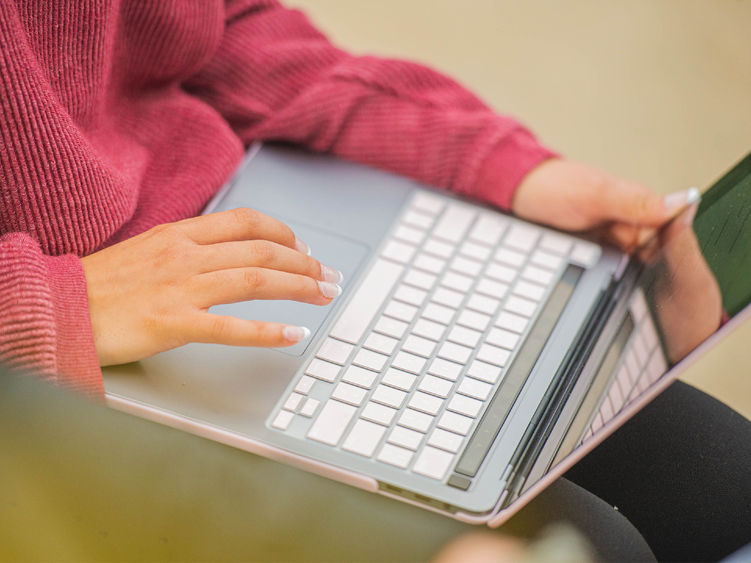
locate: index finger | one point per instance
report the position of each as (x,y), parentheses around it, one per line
(241,223)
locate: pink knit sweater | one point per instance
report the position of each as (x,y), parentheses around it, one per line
(116,116)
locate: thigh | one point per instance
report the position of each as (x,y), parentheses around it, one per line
(680,471)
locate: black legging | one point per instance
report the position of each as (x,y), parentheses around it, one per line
(679,471)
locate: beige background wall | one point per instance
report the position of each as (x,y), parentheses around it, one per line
(658,91)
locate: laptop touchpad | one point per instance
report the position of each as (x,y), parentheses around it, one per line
(332,249)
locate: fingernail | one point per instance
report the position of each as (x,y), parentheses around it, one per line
(295,333)
(302,247)
(329,289)
(688,217)
(331,275)
(678,200)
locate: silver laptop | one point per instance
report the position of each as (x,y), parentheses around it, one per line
(472,357)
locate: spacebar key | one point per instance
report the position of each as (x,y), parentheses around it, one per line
(367,301)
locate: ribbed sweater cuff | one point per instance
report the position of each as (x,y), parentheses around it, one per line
(77,362)
(509,161)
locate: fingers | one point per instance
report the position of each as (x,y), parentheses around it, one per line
(242,284)
(241,223)
(635,204)
(264,254)
(219,329)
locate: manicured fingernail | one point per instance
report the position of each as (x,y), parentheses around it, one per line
(329,289)
(295,333)
(678,200)
(330,274)
(302,247)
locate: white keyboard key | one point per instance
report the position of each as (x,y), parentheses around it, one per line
(585,254)
(474,388)
(454,222)
(367,300)
(457,423)
(409,362)
(400,311)
(282,420)
(427,202)
(639,348)
(405,437)
(425,403)
(388,396)
(520,306)
(510,256)
(429,329)
(331,422)
(465,266)
(418,345)
(445,440)
(473,250)
(359,376)
(418,219)
(503,338)
(380,343)
(488,229)
(409,234)
(304,385)
(616,397)
(447,297)
(438,313)
(486,372)
(434,386)
(369,359)
(538,275)
(309,408)
(491,288)
(465,405)
(522,236)
(411,295)
(398,251)
(528,290)
(500,272)
(483,304)
(433,463)
(391,327)
(399,379)
(638,306)
(546,259)
(335,351)
(378,413)
(511,322)
(293,401)
(657,366)
(454,352)
(416,420)
(394,455)
(474,320)
(363,438)
(349,393)
(455,281)
(420,279)
(323,370)
(438,248)
(445,369)
(649,333)
(493,355)
(556,243)
(429,263)
(463,335)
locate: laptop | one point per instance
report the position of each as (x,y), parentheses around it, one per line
(472,357)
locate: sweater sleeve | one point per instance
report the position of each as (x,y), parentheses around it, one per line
(45,326)
(275,77)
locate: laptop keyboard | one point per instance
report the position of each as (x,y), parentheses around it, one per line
(422,346)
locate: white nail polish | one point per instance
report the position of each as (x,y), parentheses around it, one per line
(295,333)
(330,274)
(679,200)
(329,289)
(301,246)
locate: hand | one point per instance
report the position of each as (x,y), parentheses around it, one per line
(576,197)
(152,292)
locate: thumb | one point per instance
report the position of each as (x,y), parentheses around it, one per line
(637,205)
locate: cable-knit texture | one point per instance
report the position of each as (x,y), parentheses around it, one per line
(117,116)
